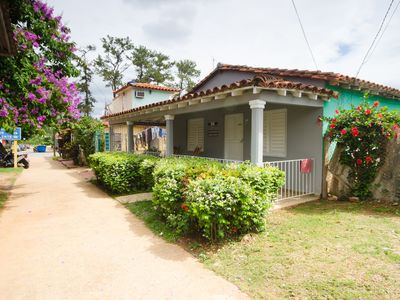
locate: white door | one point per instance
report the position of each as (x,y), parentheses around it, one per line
(234,136)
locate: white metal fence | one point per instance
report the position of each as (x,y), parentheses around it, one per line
(299,178)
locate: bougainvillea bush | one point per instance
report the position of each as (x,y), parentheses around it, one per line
(35,89)
(362,133)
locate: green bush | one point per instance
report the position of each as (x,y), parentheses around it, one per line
(216,200)
(121,172)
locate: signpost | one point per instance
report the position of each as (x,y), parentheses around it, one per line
(15,136)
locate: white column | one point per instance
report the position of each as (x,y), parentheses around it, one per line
(129,147)
(170,134)
(257,126)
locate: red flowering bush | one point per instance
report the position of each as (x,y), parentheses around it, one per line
(363,133)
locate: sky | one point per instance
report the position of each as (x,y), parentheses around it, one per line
(263,33)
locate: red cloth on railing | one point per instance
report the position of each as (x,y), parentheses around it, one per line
(306,166)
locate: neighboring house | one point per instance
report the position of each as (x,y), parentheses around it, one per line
(133,95)
(265,115)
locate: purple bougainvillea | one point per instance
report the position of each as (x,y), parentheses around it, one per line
(35,85)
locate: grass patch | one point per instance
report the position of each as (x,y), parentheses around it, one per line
(11,170)
(320,250)
(145,211)
(7,179)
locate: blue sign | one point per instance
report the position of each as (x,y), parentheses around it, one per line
(15,136)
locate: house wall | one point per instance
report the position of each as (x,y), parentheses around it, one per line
(126,99)
(303,133)
(150,96)
(122,129)
(347,98)
(122,102)
(228,77)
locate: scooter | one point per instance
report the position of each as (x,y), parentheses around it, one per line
(7,158)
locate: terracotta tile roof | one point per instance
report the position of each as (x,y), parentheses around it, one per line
(263,80)
(331,77)
(147,86)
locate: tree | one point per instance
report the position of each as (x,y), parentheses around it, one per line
(85,66)
(186,72)
(112,65)
(35,89)
(142,60)
(160,70)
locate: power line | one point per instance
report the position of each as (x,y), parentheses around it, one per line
(375,38)
(304,35)
(383,32)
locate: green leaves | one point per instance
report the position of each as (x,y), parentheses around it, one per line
(216,200)
(123,173)
(362,132)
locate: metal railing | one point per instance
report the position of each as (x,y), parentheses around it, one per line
(298,181)
(221,160)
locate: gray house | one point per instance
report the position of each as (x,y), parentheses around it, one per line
(237,115)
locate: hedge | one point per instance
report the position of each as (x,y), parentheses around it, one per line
(123,173)
(216,200)
(195,195)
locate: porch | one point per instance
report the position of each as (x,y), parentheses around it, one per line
(261,120)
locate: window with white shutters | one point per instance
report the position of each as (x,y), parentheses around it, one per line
(195,136)
(275,132)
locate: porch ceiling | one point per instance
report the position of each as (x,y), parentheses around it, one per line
(238,93)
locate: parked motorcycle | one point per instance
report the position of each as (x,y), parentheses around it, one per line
(7,158)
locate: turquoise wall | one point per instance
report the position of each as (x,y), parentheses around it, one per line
(350,97)
(150,96)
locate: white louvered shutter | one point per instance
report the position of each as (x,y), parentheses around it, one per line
(275,132)
(195,137)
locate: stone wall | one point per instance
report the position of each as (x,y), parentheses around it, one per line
(386,185)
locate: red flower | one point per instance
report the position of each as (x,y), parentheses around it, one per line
(337,111)
(343,132)
(368,159)
(354,131)
(367,111)
(359,108)
(334,120)
(380,116)
(333,125)
(376,104)
(359,162)
(185,207)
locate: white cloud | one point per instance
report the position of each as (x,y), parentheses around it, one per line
(254,32)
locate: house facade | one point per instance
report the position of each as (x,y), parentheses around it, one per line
(264,115)
(133,95)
